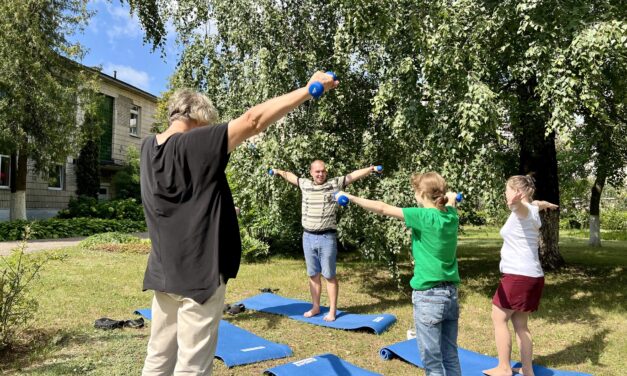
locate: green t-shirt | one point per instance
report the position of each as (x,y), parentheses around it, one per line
(434,245)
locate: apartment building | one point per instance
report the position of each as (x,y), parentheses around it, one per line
(129,114)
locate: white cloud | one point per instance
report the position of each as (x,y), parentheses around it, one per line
(124,25)
(129,75)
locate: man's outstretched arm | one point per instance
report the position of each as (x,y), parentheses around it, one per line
(360,174)
(290,177)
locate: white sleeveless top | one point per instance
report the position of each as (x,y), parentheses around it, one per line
(519,254)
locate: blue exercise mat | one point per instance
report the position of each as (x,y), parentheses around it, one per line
(472,363)
(294,309)
(237,346)
(146,312)
(320,365)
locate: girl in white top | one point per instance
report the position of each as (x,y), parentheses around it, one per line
(520,288)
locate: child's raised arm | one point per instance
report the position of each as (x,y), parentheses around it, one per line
(542,205)
(378,207)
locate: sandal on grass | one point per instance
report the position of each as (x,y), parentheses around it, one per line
(268,289)
(108,324)
(236,308)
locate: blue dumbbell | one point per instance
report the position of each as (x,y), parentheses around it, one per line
(316,89)
(271,172)
(341,200)
(459,197)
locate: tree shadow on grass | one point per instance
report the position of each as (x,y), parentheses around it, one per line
(578,353)
(35,345)
(575,293)
(20,353)
(272,321)
(379,286)
(571,294)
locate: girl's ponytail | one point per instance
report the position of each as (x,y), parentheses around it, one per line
(432,186)
(440,201)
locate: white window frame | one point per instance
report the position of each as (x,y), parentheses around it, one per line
(61,172)
(7,172)
(134,131)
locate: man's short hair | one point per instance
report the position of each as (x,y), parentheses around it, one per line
(189,104)
(317,161)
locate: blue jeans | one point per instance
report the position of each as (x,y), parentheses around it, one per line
(436,315)
(320,253)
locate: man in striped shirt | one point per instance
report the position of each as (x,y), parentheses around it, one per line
(319,224)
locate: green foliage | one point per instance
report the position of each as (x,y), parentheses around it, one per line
(126,181)
(468,88)
(109,238)
(18,307)
(67,228)
(41,86)
(614,220)
(472,217)
(574,219)
(88,170)
(254,249)
(611,219)
(89,207)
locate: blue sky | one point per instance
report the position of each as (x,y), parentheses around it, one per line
(114,40)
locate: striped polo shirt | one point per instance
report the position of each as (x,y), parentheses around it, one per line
(318,206)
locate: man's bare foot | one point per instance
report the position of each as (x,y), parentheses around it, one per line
(312,312)
(329,317)
(497,371)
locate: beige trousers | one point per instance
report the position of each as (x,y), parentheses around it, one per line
(183,334)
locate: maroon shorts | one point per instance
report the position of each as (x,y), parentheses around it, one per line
(519,292)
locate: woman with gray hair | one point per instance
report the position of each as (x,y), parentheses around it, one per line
(190,215)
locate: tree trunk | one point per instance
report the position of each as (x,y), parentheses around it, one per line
(538,157)
(595,210)
(595,231)
(19,172)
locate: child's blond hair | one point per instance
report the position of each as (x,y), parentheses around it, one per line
(523,183)
(431,186)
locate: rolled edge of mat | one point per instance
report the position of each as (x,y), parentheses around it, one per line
(386,354)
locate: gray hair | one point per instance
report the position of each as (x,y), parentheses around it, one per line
(191,105)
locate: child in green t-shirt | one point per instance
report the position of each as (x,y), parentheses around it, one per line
(434,248)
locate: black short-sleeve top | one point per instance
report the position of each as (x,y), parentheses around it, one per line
(189,212)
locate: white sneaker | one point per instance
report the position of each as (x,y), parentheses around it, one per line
(411,333)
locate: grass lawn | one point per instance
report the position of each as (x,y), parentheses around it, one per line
(581,324)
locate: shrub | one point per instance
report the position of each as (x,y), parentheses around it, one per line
(614,220)
(472,217)
(66,228)
(17,307)
(610,220)
(574,219)
(89,207)
(108,238)
(254,249)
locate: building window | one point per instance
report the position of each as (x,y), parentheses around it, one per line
(133,127)
(103,193)
(5,170)
(55,178)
